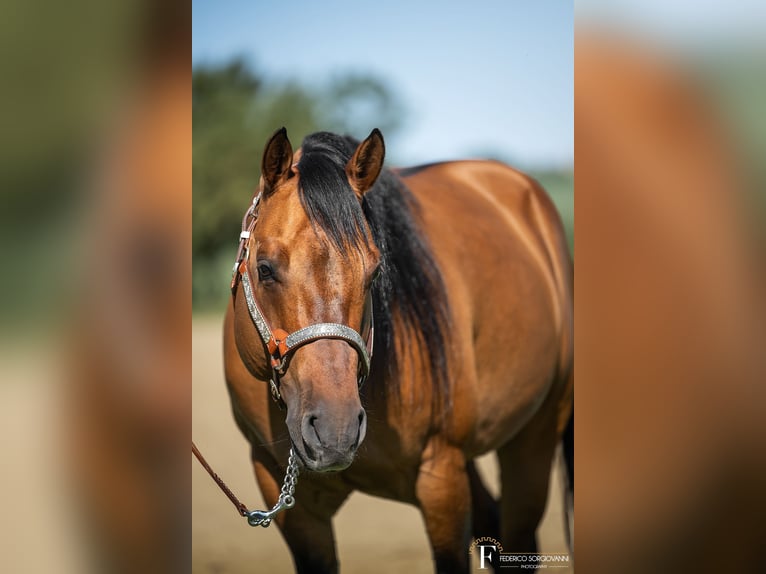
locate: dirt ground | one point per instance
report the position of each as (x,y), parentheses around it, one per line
(372,535)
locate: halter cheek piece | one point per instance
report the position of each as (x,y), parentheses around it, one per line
(281,345)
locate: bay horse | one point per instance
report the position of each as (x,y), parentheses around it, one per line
(463,269)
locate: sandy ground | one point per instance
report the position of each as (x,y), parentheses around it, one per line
(373,535)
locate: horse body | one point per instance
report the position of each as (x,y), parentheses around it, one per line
(501,250)
(499,247)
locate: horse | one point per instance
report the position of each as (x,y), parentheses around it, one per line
(456,278)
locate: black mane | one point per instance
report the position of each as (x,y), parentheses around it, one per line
(409,290)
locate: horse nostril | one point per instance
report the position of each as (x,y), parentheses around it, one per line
(310,432)
(362,428)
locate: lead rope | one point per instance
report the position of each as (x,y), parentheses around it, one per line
(263,518)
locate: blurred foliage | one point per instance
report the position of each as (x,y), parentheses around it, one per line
(735,83)
(560,186)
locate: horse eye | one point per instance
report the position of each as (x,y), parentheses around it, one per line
(265,272)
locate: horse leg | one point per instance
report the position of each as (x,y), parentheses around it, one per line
(444,497)
(485,514)
(567,441)
(307,527)
(525,468)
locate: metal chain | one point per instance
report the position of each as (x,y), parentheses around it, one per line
(286,496)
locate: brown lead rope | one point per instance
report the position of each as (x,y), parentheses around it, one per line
(241,508)
(259,517)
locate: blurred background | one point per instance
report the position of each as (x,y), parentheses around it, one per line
(486,80)
(95,297)
(670,132)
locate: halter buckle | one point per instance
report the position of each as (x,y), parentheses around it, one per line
(278,364)
(275,394)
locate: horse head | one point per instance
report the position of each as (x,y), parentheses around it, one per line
(310,261)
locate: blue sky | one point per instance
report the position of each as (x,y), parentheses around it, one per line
(475,77)
(688,23)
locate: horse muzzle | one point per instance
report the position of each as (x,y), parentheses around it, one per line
(326,444)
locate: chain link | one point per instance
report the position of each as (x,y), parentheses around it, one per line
(286,498)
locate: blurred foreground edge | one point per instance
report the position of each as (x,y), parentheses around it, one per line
(128,411)
(670,324)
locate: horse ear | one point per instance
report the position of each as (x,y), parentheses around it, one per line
(277,159)
(364,166)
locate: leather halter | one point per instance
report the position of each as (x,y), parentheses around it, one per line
(280,344)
